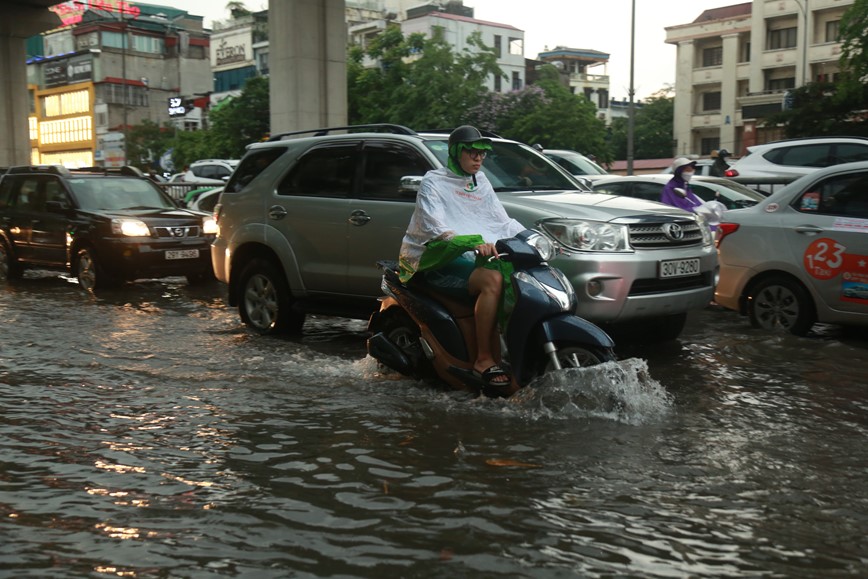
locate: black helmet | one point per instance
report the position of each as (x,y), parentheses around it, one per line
(466,134)
(723,153)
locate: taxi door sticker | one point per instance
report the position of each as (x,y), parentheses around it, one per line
(825,259)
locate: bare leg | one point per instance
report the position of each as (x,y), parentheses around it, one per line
(487,285)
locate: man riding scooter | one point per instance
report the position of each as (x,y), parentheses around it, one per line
(449,243)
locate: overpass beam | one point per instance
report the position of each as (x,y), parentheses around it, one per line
(307,64)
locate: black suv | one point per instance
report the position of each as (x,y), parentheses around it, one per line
(103,226)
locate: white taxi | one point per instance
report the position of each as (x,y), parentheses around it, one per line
(800,256)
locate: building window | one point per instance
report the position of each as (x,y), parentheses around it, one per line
(498,48)
(833,31)
(711,101)
(709,144)
(603,98)
(781,84)
(516,46)
(712,56)
(744,52)
(497,83)
(516,80)
(150,44)
(113,40)
(782,38)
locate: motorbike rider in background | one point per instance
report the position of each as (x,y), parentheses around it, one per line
(719,167)
(450,241)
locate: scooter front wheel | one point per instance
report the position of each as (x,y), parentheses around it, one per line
(578,356)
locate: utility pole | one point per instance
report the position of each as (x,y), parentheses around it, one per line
(631,110)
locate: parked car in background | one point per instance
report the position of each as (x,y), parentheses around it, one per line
(306,216)
(205,201)
(103,226)
(649,187)
(703,167)
(210,171)
(799,256)
(576,164)
(796,157)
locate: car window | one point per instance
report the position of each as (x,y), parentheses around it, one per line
(850,153)
(209,202)
(385,164)
(576,164)
(220,171)
(27,195)
(613,188)
(322,172)
(843,195)
(114,193)
(647,191)
(5,192)
(816,155)
(251,166)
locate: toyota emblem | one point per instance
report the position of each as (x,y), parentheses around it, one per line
(673,231)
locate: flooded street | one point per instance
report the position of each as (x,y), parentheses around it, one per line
(147,433)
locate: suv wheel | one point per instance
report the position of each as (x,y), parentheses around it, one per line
(265,304)
(90,273)
(9,268)
(778,303)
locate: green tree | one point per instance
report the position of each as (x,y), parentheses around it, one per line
(854,41)
(652,129)
(546,113)
(146,143)
(189,146)
(240,121)
(419,82)
(823,108)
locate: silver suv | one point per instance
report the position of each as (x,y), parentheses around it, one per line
(305,217)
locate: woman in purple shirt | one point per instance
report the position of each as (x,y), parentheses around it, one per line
(677,191)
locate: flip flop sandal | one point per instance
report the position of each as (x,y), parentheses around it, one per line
(488,376)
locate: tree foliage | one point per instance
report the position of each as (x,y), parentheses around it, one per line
(242,120)
(546,113)
(823,108)
(146,143)
(420,82)
(652,129)
(854,41)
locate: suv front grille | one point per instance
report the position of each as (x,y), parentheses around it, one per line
(176,232)
(662,235)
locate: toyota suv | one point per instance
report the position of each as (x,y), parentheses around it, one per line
(306,216)
(103,226)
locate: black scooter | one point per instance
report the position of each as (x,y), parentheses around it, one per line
(421,333)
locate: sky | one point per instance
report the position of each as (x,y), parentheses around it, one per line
(591,24)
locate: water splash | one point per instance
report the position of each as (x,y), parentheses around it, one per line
(623,391)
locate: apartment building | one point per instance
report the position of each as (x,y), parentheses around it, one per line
(736,64)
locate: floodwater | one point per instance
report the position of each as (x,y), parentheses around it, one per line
(146,433)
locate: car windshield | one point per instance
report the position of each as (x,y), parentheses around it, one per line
(576,164)
(516,167)
(114,193)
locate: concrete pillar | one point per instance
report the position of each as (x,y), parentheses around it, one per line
(308,64)
(729,92)
(18,22)
(683,113)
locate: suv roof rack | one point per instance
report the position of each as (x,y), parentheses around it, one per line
(483,132)
(375,127)
(127,170)
(54,169)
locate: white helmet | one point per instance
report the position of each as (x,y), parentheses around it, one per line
(680,163)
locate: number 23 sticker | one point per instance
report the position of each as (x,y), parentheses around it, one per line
(823,258)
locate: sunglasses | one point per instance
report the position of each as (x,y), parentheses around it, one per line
(475,155)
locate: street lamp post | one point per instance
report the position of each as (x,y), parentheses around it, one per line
(804,8)
(631,110)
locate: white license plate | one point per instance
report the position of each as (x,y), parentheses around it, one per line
(182,254)
(679,267)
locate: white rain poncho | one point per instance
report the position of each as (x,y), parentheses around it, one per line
(448,205)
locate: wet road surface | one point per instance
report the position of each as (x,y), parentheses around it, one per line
(146,433)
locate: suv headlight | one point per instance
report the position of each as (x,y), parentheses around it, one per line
(705,228)
(585,235)
(209,226)
(130,228)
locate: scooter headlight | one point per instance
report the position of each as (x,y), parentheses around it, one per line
(543,246)
(564,298)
